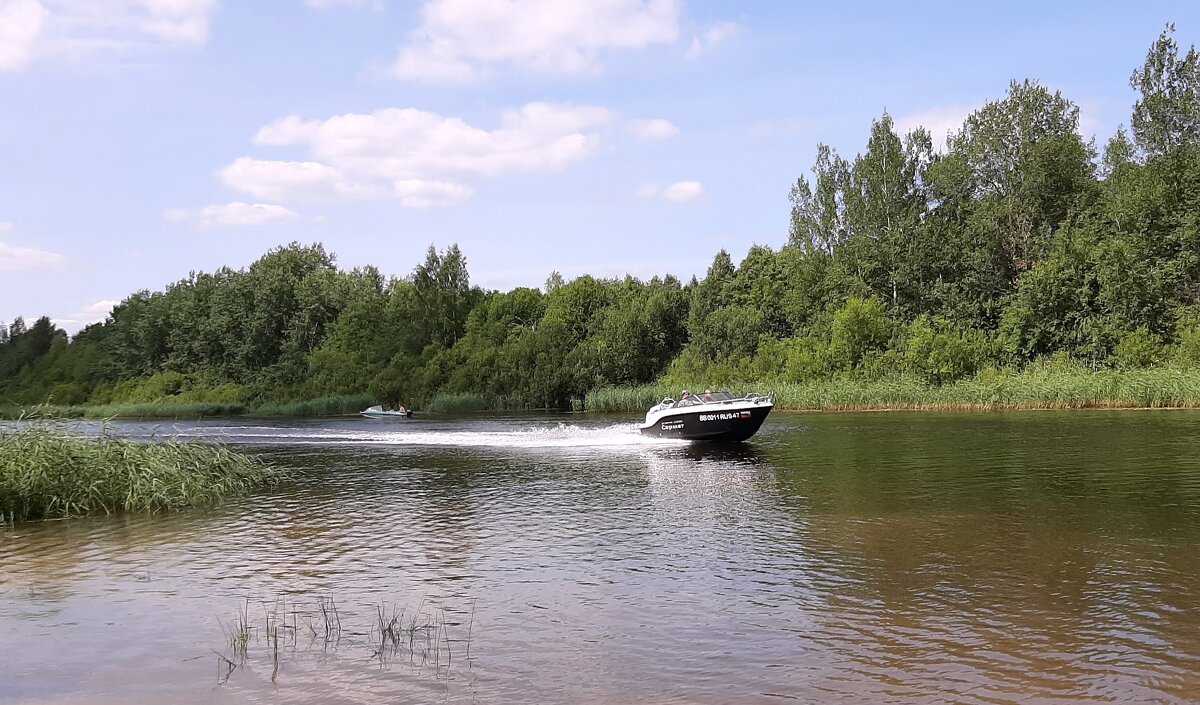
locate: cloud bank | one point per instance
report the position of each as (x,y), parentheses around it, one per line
(460,40)
(232,215)
(422,158)
(677,192)
(17,259)
(76,28)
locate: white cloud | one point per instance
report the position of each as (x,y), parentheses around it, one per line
(415,193)
(99,310)
(14,258)
(420,157)
(717,34)
(459,40)
(292,181)
(232,215)
(683,191)
(173,21)
(652,129)
(74,322)
(939,121)
(678,192)
(79,29)
(20,25)
(5,227)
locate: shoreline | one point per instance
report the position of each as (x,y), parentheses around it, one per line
(1038,389)
(1004,390)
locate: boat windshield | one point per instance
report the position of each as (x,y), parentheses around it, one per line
(716,396)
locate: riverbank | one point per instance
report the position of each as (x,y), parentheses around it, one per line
(1032,389)
(167,409)
(49,472)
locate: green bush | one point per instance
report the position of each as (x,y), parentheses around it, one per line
(68,393)
(1137,349)
(807,359)
(938,354)
(859,327)
(1188,333)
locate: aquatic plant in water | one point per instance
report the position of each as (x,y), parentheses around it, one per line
(48,471)
(424,638)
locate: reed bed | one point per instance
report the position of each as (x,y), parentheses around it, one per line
(627,398)
(14,411)
(144,410)
(148,410)
(48,471)
(462,403)
(322,406)
(1032,389)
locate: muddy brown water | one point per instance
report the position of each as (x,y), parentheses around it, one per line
(838,558)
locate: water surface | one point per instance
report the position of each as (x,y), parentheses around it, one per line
(897,558)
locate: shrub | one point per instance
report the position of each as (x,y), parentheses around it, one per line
(1188,334)
(939,354)
(1139,348)
(68,393)
(859,327)
(807,359)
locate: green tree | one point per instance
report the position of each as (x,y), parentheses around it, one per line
(1166,116)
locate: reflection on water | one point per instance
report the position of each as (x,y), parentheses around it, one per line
(903,558)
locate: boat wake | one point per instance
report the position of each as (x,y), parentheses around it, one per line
(559,436)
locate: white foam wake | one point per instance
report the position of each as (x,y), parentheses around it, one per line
(560,436)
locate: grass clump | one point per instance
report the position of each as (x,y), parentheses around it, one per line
(1033,388)
(50,472)
(323,406)
(160,410)
(459,403)
(627,398)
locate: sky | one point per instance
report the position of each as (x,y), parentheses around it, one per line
(141,140)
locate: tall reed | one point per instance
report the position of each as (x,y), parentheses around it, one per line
(48,471)
(1035,388)
(160,410)
(460,403)
(322,406)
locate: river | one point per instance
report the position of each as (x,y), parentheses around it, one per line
(836,558)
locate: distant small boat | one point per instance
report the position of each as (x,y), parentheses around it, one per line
(719,417)
(378,412)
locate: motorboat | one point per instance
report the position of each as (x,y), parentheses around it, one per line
(378,412)
(713,416)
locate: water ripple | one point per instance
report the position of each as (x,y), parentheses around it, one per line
(896,558)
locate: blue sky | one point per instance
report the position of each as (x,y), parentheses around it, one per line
(143,139)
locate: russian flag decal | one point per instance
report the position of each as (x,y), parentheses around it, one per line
(745,414)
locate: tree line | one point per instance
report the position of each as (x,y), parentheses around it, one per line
(1020,241)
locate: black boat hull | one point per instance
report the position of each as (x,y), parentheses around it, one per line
(714,426)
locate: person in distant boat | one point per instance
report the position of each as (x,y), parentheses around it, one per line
(685,398)
(707,396)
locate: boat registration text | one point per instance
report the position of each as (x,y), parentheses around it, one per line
(725,416)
